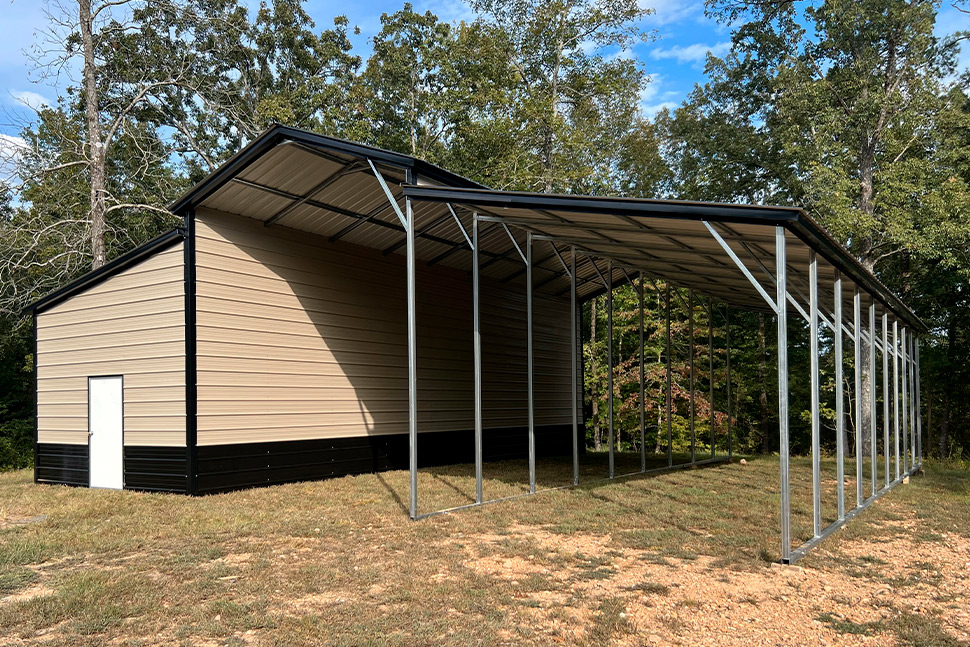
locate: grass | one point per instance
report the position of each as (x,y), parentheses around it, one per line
(847,627)
(339,563)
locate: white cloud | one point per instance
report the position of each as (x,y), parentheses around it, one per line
(650,91)
(653,98)
(11,145)
(694,54)
(671,11)
(447,10)
(30,99)
(652,109)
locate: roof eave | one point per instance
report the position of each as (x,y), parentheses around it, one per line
(275,135)
(830,249)
(793,218)
(606,205)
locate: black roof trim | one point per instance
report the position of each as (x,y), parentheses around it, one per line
(92,278)
(278,134)
(675,209)
(793,218)
(815,236)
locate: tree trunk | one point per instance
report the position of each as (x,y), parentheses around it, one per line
(867,257)
(594,396)
(764,422)
(865,422)
(548,144)
(943,446)
(96,148)
(944,441)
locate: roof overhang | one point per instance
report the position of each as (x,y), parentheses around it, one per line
(340,190)
(335,147)
(684,242)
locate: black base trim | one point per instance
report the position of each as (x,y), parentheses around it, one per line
(233,467)
(62,464)
(155,469)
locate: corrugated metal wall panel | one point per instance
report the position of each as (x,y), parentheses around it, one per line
(299,339)
(132,324)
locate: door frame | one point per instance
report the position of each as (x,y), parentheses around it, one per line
(99,377)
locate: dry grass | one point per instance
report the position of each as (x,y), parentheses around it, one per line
(682,556)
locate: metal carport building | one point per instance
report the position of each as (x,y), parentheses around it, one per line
(300,233)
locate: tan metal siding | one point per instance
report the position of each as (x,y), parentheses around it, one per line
(299,338)
(132,324)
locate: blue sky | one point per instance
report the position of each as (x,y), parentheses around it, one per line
(675,61)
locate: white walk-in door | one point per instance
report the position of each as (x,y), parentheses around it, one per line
(106,432)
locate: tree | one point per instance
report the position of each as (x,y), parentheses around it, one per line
(844,99)
(404,89)
(168,91)
(248,74)
(566,100)
(841,107)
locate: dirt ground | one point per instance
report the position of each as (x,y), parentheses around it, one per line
(687,558)
(697,602)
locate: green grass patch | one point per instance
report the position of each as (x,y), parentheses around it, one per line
(847,627)
(14,578)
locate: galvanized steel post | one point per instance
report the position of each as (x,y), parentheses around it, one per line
(912,400)
(885,394)
(670,434)
(782,320)
(412,363)
(609,358)
(874,465)
(896,397)
(643,430)
(575,371)
(816,416)
(919,417)
(690,325)
(904,404)
(531,370)
(710,370)
(839,398)
(477,345)
(857,314)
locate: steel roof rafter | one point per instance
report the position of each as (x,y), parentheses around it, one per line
(344,170)
(340,211)
(590,247)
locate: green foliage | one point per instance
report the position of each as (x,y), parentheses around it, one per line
(626,371)
(16,396)
(854,111)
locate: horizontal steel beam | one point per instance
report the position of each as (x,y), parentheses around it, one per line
(802,550)
(658,470)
